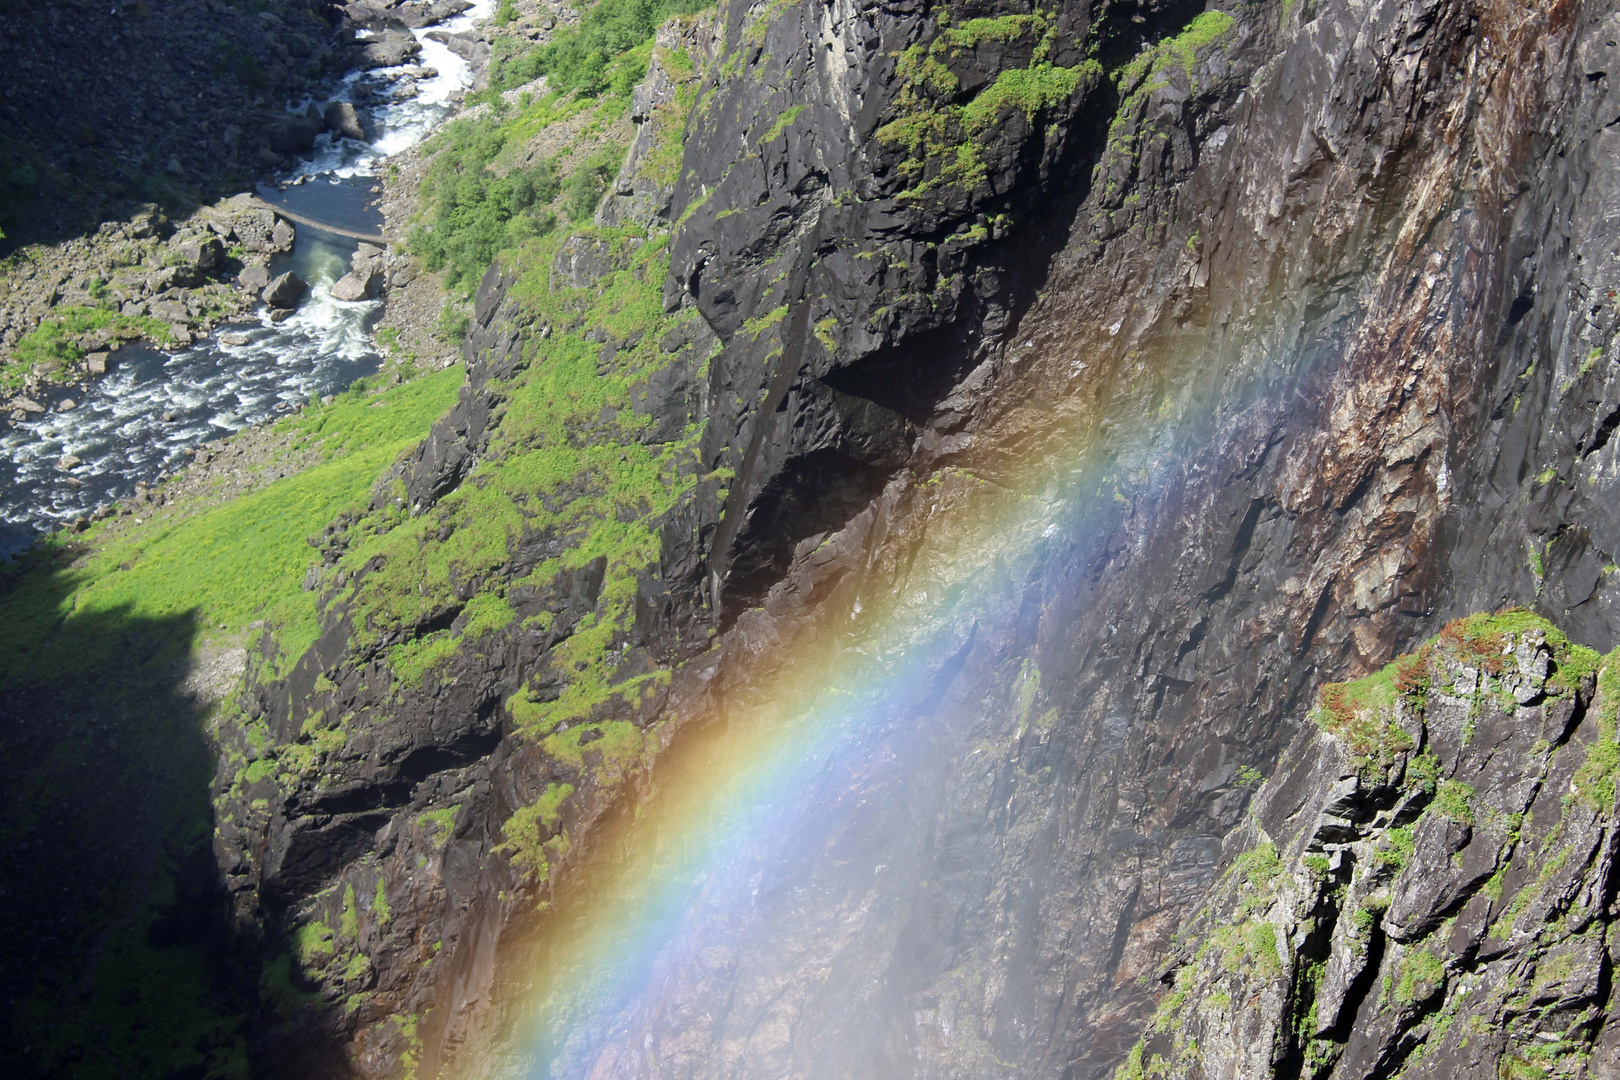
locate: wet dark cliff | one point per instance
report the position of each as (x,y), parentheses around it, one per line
(1296,319)
(1427,886)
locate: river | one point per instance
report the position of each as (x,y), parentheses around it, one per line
(135,425)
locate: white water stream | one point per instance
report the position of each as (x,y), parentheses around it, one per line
(136,424)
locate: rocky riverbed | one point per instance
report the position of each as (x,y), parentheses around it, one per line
(114,378)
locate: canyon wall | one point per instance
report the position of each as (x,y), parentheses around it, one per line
(1294,319)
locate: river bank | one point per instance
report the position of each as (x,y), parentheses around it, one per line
(112,396)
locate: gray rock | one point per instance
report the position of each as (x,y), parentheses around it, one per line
(284,291)
(28,405)
(290,134)
(342,119)
(205,253)
(283,235)
(393,50)
(68,462)
(66,405)
(355,285)
(96,362)
(254,278)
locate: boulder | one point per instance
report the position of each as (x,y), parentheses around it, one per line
(469,49)
(69,461)
(28,405)
(204,252)
(284,291)
(342,119)
(418,14)
(355,285)
(148,222)
(66,405)
(289,134)
(254,278)
(96,362)
(390,51)
(253,224)
(283,235)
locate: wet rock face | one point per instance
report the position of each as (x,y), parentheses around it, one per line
(1286,322)
(1302,257)
(1426,886)
(852,265)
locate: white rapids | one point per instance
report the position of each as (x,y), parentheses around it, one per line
(135,424)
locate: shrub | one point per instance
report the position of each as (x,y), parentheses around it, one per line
(589,182)
(590,58)
(477,210)
(453,325)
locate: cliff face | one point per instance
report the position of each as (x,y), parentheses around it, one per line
(1293,319)
(1425,888)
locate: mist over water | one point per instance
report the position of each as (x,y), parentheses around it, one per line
(136,423)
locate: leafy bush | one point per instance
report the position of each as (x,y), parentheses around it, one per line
(589,182)
(590,57)
(478,211)
(453,324)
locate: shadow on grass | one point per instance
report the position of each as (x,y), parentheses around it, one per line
(117,958)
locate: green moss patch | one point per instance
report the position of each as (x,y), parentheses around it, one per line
(237,563)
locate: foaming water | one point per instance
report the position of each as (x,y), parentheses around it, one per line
(137,423)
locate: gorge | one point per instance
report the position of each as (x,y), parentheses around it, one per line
(968,539)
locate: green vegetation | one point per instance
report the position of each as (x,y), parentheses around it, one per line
(529,833)
(349,925)
(606,54)
(1260,865)
(379,904)
(453,324)
(1454,800)
(315,943)
(228,566)
(1480,640)
(943,139)
(1362,714)
(1594,780)
(589,182)
(477,209)
(438,824)
(1423,772)
(554,466)
(49,350)
(484,196)
(1141,76)
(783,122)
(1398,850)
(1418,976)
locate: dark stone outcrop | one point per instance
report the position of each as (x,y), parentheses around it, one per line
(1441,906)
(1296,334)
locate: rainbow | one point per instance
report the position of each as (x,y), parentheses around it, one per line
(739,789)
